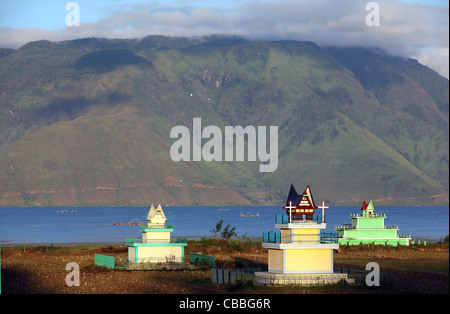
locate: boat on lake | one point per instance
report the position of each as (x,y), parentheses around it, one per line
(132,222)
(249,214)
(66,211)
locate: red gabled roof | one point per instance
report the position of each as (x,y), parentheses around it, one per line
(306,200)
(364,205)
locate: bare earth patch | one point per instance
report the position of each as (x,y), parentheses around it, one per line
(42,271)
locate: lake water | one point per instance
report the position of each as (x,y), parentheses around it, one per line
(95,224)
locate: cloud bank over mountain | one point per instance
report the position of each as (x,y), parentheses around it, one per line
(414,30)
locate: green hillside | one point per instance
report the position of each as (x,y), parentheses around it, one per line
(88,122)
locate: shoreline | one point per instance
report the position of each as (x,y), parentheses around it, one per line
(18,244)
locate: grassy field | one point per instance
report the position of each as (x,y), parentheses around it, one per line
(41,270)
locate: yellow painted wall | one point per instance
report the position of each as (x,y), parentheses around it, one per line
(285,235)
(299,235)
(308,259)
(156,237)
(306,235)
(154,254)
(131,255)
(275,259)
(305,231)
(285,232)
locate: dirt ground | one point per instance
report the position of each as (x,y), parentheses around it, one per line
(38,271)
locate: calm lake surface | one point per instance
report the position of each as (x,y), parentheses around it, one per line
(53,225)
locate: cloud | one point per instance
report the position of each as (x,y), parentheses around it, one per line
(406,29)
(13,38)
(433,59)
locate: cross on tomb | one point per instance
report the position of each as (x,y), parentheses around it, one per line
(169,220)
(323,207)
(290,207)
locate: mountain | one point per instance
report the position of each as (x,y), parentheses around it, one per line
(88,122)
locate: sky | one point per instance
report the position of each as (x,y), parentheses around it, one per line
(416,29)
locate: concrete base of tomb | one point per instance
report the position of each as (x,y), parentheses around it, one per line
(266,278)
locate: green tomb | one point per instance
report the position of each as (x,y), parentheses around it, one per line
(369,228)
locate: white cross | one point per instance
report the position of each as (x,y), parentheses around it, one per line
(323,212)
(290,207)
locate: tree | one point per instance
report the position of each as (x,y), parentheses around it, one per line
(228,233)
(218,228)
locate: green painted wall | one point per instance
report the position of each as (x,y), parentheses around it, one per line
(369,233)
(391,242)
(366,222)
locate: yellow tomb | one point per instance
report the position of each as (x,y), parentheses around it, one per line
(300,253)
(156,245)
(300,248)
